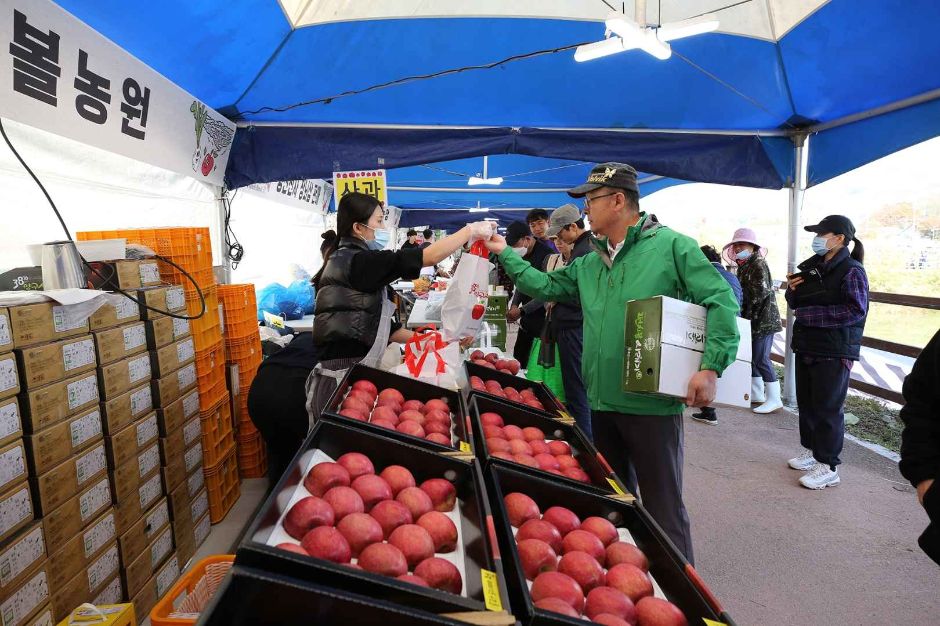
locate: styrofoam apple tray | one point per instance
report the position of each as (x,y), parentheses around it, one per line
(453,425)
(626,537)
(316,456)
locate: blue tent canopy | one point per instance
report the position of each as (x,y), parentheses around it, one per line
(857,76)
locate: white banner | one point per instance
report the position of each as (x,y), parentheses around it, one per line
(312,194)
(61,76)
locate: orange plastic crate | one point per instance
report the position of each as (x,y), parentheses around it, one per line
(211,396)
(210,365)
(244,350)
(252,457)
(223,486)
(192,593)
(246,376)
(241,310)
(217,433)
(207,329)
(174,241)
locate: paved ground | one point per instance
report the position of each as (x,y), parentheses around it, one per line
(775,553)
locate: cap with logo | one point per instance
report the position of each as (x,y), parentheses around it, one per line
(564,215)
(835,224)
(607,175)
(516,231)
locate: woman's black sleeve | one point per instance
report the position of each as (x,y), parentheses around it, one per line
(371,270)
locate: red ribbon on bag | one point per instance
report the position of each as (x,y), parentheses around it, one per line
(478,248)
(419,346)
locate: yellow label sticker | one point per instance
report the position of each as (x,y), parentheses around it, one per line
(564,415)
(491,590)
(616,487)
(711,622)
(465,447)
(275,321)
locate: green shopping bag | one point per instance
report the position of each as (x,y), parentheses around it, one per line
(551,376)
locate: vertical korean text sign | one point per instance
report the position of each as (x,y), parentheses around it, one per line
(61,76)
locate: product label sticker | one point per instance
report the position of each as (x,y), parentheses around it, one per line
(147,431)
(141,401)
(175,298)
(95,499)
(98,535)
(12,465)
(465,447)
(126,308)
(5,336)
(161,547)
(134,337)
(139,369)
(10,419)
(180,328)
(187,376)
(111,594)
(616,487)
(21,555)
(17,607)
(78,354)
(14,508)
(64,318)
(149,273)
(491,590)
(167,576)
(82,392)
(103,568)
(150,491)
(148,460)
(192,431)
(199,505)
(157,519)
(191,404)
(201,530)
(90,464)
(185,351)
(85,428)
(195,483)
(8,379)
(193,457)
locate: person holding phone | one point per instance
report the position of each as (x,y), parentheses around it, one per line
(827,337)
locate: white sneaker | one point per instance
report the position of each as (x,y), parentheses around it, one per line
(804,462)
(820,477)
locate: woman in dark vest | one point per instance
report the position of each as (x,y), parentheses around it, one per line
(829,297)
(352,322)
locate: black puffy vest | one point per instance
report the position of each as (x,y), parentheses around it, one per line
(844,342)
(343,313)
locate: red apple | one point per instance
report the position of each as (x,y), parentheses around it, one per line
(441,428)
(477,385)
(356,464)
(373,489)
(535,404)
(434,415)
(354,403)
(511,431)
(631,580)
(577,474)
(558,606)
(520,508)
(492,419)
(384,424)
(497,444)
(476,354)
(492,357)
(391,403)
(366,385)
(344,500)
(398,478)
(383,558)
(583,541)
(385,413)
(561,518)
(527,393)
(444,440)
(538,447)
(442,493)
(559,447)
(609,600)
(392,394)
(531,433)
(536,557)
(306,514)
(353,414)
(606,619)
(566,461)
(390,514)
(291,547)
(490,430)
(325,542)
(622,552)
(502,455)
(413,415)
(412,405)
(584,568)
(324,476)
(440,574)
(518,446)
(437,404)
(410,427)
(513,366)
(658,612)
(546,461)
(416,500)
(602,529)
(360,530)
(493,387)
(414,542)
(557,585)
(414,580)
(512,394)
(442,530)
(525,459)
(542,530)
(363,395)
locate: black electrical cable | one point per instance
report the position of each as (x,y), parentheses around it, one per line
(234,250)
(105,280)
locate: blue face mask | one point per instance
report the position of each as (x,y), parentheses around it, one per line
(743,255)
(382,237)
(820,246)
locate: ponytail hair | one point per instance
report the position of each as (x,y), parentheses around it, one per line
(858,251)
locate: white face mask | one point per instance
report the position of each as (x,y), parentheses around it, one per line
(521,251)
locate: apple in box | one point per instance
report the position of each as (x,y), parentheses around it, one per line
(440,574)
(658,612)
(359,530)
(583,541)
(398,478)
(372,489)
(602,600)
(561,518)
(442,530)
(385,559)
(442,493)
(325,542)
(630,580)
(560,586)
(356,464)
(520,508)
(324,476)
(414,542)
(416,500)
(584,569)
(306,514)
(390,515)
(344,501)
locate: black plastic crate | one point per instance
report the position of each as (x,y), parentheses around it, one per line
(676,577)
(552,405)
(603,478)
(483,578)
(461,435)
(248,597)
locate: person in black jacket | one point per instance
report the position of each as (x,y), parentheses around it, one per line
(920,439)
(567,323)
(528,312)
(829,299)
(411,240)
(352,323)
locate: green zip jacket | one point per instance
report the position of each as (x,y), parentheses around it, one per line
(654,261)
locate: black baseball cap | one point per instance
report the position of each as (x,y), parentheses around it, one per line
(516,231)
(618,175)
(835,224)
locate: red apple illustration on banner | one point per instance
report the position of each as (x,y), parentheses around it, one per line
(477,311)
(207,164)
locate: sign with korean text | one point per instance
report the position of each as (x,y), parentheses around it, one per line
(59,75)
(310,194)
(371,182)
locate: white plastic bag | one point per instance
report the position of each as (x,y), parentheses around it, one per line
(465,299)
(430,359)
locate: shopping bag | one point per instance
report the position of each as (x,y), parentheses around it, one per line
(430,359)
(465,299)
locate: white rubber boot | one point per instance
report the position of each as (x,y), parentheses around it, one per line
(757,390)
(773,399)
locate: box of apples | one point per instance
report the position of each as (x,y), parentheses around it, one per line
(499,383)
(507,433)
(402,408)
(387,519)
(571,555)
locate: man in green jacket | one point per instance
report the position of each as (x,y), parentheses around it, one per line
(635,257)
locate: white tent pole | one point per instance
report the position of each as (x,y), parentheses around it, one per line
(797,188)
(220,235)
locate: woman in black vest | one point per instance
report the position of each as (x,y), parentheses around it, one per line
(352,323)
(829,297)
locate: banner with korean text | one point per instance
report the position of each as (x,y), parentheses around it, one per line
(312,194)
